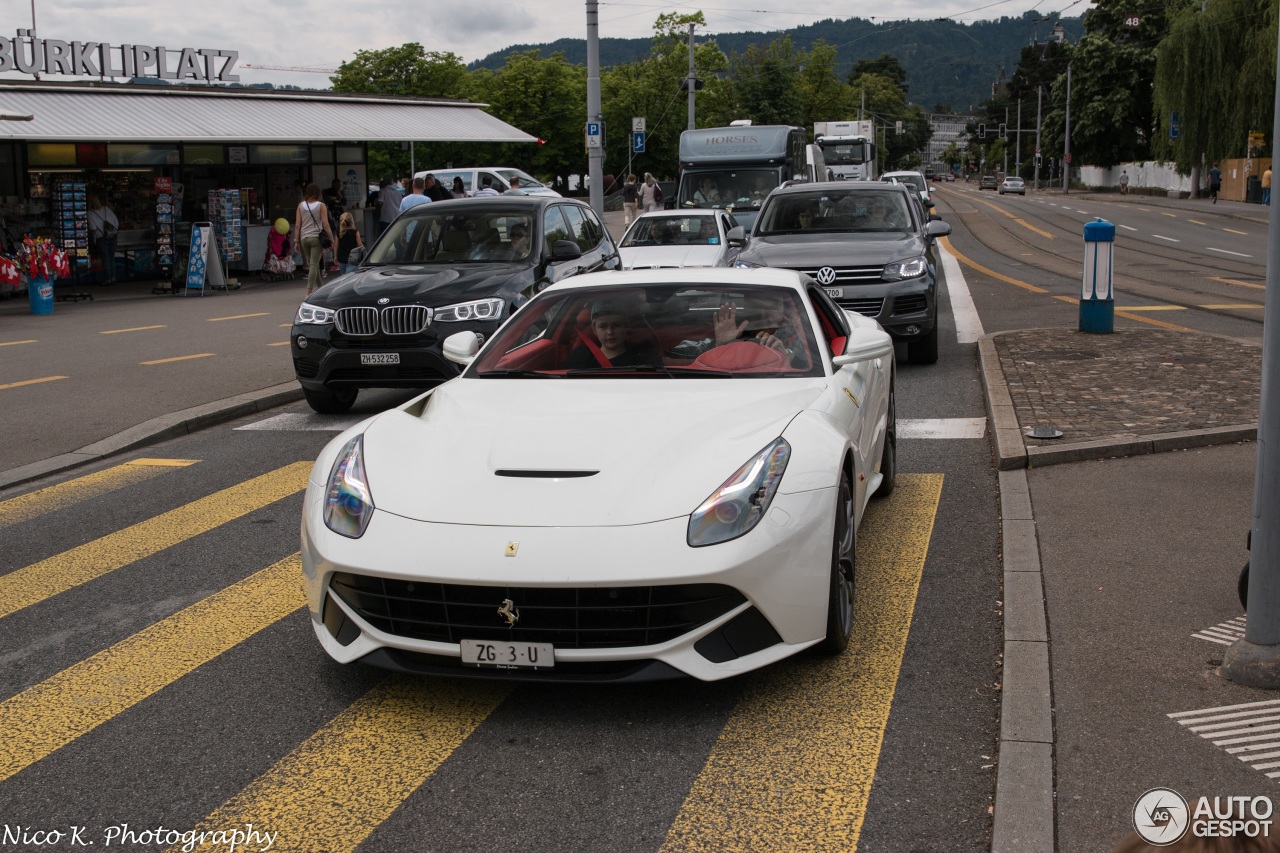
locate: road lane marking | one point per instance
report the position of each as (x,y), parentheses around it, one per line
(1197,222)
(965,313)
(1251,735)
(793,766)
(942,427)
(43,719)
(134,329)
(239,317)
(1128,228)
(1234,306)
(1024,224)
(280,344)
(1170,215)
(63,495)
(1225,252)
(946,243)
(1241,283)
(1233,231)
(178,358)
(1162,237)
(34,583)
(16,343)
(1154,308)
(1224,633)
(384,746)
(31,382)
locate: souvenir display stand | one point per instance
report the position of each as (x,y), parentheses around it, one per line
(71,232)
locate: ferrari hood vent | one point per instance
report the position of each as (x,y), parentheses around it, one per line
(543,475)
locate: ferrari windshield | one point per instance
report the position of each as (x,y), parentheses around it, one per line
(865,208)
(656,331)
(485,234)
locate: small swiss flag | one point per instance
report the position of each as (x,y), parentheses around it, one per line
(541,142)
(8,271)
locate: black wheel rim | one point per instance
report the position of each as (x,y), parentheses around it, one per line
(844,562)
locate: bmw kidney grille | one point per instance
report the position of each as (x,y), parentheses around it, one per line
(394,320)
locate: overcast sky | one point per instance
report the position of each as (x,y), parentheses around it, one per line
(324,33)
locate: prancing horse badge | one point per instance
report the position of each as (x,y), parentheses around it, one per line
(512,547)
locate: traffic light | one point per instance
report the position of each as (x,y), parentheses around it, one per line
(982,131)
(1002,131)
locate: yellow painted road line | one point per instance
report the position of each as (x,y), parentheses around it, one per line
(53,713)
(15,343)
(383,747)
(1152,308)
(1233,231)
(34,583)
(1232,307)
(994,207)
(285,325)
(980,268)
(1241,283)
(1024,224)
(239,317)
(178,358)
(280,344)
(63,495)
(1197,222)
(134,329)
(31,382)
(1170,215)
(793,767)
(1071,299)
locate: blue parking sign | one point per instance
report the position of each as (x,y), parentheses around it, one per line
(637,143)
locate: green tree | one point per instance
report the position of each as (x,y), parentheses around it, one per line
(1230,42)
(883,65)
(766,83)
(823,95)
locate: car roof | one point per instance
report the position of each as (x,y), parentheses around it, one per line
(760,277)
(681,211)
(901,172)
(513,201)
(827,186)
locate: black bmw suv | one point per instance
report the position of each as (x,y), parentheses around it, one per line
(440,268)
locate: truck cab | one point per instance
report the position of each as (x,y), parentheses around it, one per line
(735,168)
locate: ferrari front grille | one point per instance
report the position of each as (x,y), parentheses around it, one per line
(566,617)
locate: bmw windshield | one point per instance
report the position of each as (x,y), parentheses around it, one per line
(493,234)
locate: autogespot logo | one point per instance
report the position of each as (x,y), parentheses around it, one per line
(1160,816)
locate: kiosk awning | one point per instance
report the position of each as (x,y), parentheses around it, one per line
(164,114)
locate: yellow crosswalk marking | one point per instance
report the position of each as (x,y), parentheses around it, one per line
(38,581)
(793,767)
(35,504)
(384,746)
(50,715)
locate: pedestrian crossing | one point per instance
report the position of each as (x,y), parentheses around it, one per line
(1250,732)
(335,784)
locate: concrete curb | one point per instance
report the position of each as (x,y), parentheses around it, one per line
(1013,453)
(158,429)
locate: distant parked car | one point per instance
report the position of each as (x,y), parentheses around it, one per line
(697,237)
(988,182)
(1013,185)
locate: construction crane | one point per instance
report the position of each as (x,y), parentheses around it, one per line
(289,68)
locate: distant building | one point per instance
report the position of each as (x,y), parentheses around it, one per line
(946,130)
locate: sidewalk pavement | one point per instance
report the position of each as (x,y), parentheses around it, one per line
(1122,562)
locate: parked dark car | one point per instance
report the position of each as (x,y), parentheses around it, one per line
(870,245)
(988,182)
(440,268)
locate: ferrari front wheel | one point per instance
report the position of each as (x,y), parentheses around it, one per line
(840,594)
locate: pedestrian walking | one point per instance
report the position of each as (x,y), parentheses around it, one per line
(1266,187)
(650,193)
(311,225)
(1124,183)
(348,239)
(434,190)
(1215,182)
(630,200)
(103,227)
(417,197)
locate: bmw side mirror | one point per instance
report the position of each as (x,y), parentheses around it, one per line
(565,250)
(461,347)
(356,256)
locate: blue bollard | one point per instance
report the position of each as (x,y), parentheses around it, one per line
(1097,302)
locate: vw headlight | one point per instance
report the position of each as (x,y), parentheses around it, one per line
(910,268)
(348,503)
(308,313)
(480,309)
(740,503)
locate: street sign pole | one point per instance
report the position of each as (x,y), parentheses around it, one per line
(595,154)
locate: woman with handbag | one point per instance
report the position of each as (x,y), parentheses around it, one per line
(311,225)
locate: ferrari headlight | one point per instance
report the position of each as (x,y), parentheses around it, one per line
(737,506)
(308,313)
(348,503)
(910,268)
(480,309)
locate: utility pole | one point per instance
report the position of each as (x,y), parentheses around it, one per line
(1255,660)
(1017,146)
(1006,142)
(1039,92)
(690,81)
(1066,142)
(595,154)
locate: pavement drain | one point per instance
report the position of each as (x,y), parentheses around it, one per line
(1250,732)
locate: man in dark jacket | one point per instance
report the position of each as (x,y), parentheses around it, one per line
(435,191)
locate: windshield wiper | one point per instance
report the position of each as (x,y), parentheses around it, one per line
(511,373)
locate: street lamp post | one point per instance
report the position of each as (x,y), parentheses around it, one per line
(1066,143)
(1039,92)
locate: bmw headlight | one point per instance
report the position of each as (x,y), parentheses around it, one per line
(747,265)
(480,309)
(910,268)
(308,313)
(737,506)
(348,503)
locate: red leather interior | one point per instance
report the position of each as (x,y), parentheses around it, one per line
(740,356)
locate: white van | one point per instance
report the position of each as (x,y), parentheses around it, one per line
(499,178)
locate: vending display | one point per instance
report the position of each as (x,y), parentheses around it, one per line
(226,212)
(71,221)
(166,219)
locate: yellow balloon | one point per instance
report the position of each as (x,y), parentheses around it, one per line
(282,226)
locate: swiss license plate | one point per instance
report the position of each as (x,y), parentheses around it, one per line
(505,654)
(835,292)
(379,358)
